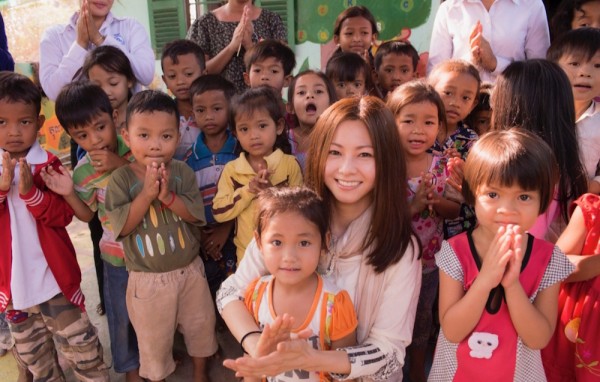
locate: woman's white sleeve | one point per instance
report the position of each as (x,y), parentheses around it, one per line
(234,287)
(57,68)
(381,356)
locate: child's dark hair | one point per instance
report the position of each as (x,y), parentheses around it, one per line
(210,82)
(271,49)
(562,20)
(511,157)
(354,11)
(328,84)
(150,101)
(454,66)
(404,48)
(16,87)
(526,94)
(260,98)
(301,200)
(180,47)
(112,60)
(483,104)
(416,91)
(346,66)
(582,42)
(79,102)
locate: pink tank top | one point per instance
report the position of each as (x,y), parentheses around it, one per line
(489,352)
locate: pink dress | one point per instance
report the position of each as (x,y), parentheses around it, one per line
(573,353)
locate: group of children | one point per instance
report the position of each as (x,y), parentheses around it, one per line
(183,186)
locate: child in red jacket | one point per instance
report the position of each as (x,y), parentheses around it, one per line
(39,275)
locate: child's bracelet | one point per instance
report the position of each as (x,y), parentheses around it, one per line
(168,205)
(245,336)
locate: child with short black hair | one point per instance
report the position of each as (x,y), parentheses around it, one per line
(395,63)
(578,54)
(214,148)
(498,283)
(183,61)
(92,126)
(270,63)
(351,75)
(40,282)
(264,161)
(156,210)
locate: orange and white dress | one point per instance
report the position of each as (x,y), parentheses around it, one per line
(331,318)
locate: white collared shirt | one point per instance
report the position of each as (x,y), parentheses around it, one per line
(588,136)
(31,281)
(61,56)
(516,30)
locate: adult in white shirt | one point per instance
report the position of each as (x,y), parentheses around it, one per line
(63,47)
(489,33)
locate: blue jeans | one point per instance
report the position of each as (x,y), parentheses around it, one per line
(123,341)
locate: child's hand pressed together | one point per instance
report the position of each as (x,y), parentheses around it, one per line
(455,167)
(25,177)
(496,259)
(515,253)
(8,171)
(151,187)
(164,195)
(424,197)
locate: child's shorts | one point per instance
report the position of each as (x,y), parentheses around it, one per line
(160,303)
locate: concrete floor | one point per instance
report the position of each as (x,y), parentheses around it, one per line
(79,233)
